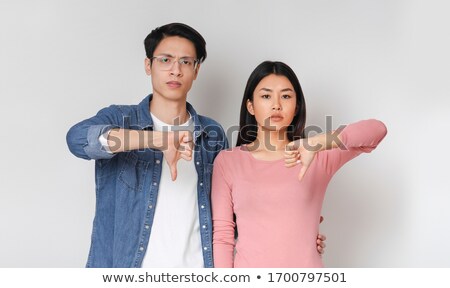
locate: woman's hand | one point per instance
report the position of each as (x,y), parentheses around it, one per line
(299,152)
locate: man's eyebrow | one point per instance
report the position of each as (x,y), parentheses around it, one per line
(165,54)
(171,56)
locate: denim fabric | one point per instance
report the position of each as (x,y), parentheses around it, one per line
(127,183)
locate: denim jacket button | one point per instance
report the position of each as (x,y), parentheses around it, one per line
(203,206)
(157,161)
(201,184)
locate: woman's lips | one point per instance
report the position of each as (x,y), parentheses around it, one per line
(276,118)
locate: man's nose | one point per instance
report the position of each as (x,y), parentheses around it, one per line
(176,69)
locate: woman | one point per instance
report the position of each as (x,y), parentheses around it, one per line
(273,185)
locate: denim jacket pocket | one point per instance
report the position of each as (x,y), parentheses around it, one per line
(133,171)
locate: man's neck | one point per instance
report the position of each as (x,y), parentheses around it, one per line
(168,111)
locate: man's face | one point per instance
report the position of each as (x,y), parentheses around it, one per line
(172,82)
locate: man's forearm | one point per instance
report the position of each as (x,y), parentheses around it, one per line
(120,140)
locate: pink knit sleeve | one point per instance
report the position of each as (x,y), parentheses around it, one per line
(363,136)
(222,216)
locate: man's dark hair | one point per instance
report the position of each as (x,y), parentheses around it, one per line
(175,29)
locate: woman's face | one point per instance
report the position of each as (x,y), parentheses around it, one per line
(274,103)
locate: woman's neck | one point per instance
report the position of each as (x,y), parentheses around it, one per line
(269,145)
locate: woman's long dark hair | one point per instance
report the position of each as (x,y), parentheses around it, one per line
(248,127)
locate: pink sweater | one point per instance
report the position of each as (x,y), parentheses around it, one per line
(277,215)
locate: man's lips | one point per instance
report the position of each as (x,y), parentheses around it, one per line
(173,84)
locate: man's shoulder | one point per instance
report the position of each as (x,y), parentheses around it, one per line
(205,121)
(209,124)
(130,108)
(125,108)
(120,109)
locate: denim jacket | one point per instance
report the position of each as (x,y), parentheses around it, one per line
(127,183)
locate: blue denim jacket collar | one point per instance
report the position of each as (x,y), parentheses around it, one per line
(145,121)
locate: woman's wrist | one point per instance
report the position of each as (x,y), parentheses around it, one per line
(316,143)
(321,142)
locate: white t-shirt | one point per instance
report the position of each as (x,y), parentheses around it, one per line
(175,236)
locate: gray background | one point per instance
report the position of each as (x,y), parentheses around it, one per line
(62,61)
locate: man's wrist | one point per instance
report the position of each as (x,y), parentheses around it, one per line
(104,141)
(156,139)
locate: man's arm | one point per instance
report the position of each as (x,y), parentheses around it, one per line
(175,145)
(83,138)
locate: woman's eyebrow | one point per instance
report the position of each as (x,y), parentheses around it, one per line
(270,90)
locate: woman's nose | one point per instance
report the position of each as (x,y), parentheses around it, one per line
(276,107)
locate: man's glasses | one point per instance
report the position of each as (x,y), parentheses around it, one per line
(166,62)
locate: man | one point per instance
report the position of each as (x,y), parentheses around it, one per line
(153,210)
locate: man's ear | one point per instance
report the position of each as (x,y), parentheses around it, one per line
(196,71)
(250,107)
(148,66)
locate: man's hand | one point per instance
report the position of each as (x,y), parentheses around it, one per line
(321,241)
(179,145)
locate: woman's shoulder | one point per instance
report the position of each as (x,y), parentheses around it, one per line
(230,154)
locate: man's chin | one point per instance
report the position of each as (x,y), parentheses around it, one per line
(175,96)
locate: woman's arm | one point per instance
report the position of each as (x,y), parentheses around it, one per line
(222,216)
(344,145)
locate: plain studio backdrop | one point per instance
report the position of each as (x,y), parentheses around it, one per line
(62,61)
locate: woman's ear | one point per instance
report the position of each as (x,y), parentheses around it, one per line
(250,107)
